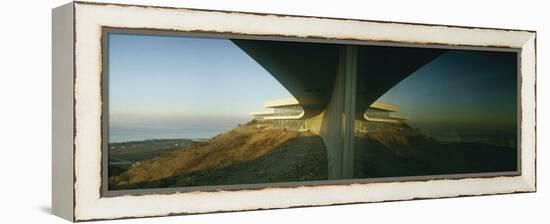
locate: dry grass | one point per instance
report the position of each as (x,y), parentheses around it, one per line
(244,143)
(401,139)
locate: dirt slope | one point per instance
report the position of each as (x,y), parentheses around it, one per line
(226,154)
(254,153)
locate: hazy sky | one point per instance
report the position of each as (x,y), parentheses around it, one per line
(159,80)
(468,87)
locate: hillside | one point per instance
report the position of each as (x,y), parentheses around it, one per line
(405,151)
(255,153)
(251,153)
(123,154)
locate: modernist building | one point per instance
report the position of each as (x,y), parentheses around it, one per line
(288,114)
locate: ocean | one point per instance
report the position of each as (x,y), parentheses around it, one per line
(127,133)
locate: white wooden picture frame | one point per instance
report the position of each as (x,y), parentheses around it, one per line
(77,110)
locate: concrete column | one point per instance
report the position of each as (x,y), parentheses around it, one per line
(338,121)
(350,70)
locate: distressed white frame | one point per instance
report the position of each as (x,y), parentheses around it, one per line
(90,18)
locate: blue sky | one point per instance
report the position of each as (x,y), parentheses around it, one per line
(460,87)
(179,81)
(161,80)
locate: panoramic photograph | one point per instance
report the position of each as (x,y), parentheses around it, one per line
(196,111)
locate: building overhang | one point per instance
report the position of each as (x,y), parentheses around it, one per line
(392,118)
(286,117)
(381,120)
(262,112)
(291,101)
(398,117)
(384,106)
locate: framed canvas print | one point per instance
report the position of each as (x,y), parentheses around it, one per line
(163,111)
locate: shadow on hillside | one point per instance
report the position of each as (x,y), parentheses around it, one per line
(374,159)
